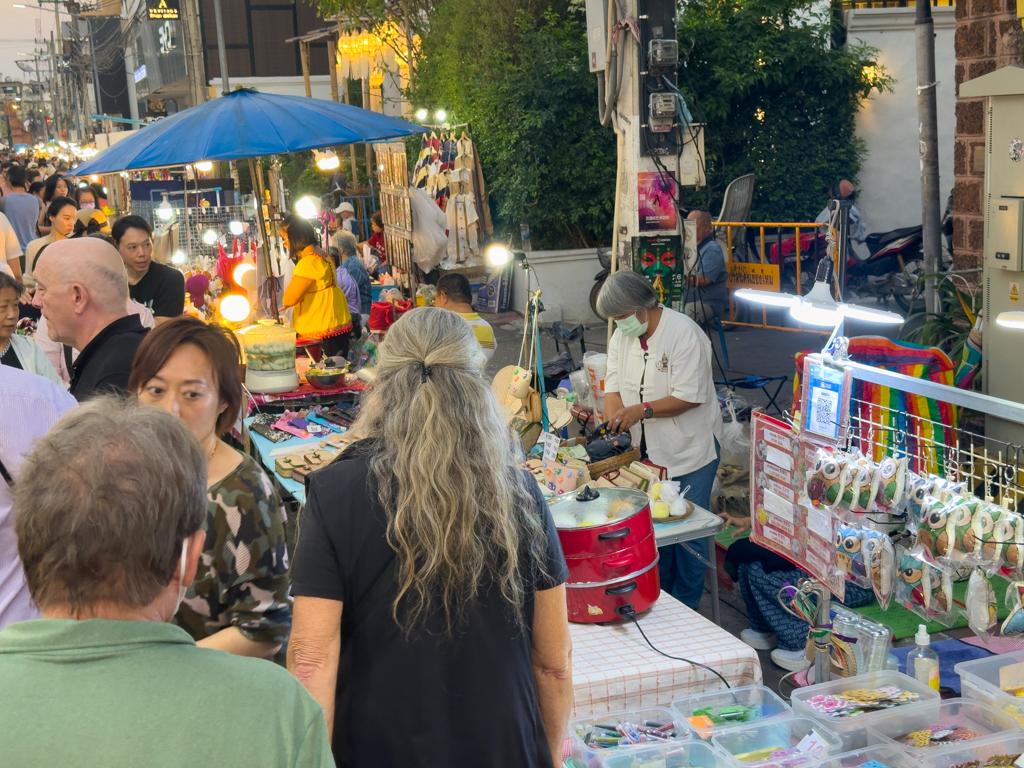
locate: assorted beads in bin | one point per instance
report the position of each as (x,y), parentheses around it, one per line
(596,737)
(713,711)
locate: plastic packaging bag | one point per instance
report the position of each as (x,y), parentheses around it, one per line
(596,366)
(888,484)
(981,605)
(880,558)
(923,586)
(931,526)
(856,484)
(850,552)
(823,479)
(581,386)
(429,230)
(735,442)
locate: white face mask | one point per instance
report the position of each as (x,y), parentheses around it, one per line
(84,206)
(181,575)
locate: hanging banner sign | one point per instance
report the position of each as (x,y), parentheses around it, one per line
(764,277)
(163,10)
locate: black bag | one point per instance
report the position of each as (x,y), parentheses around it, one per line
(602,443)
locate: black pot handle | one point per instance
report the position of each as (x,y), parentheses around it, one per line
(622,589)
(621,533)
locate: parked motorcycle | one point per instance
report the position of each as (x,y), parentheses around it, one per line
(892,267)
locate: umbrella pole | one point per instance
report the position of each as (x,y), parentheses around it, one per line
(257,185)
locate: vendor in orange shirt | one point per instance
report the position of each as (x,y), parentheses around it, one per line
(320,311)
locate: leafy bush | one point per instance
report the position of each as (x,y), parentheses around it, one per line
(777,99)
(517,72)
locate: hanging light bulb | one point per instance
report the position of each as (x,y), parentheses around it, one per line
(245,275)
(178,257)
(421,114)
(204,166)
(164,210)
(306,207)
(235,227)
(209,237)
(441,115)
(326,161)
(235,308)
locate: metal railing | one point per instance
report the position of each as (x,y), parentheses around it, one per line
(782,245)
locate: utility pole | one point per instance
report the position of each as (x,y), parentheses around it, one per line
(194,59)
(222,54)
(927,120)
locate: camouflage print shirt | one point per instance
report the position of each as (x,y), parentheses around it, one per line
(242,579)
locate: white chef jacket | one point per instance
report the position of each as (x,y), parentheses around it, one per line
(678,365)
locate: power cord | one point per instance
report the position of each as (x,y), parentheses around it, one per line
(627,611)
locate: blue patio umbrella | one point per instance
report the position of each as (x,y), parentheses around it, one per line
(22,146)
(244,124)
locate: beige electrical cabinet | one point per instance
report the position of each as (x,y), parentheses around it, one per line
(1003,269)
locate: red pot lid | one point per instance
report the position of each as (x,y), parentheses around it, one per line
(611,505)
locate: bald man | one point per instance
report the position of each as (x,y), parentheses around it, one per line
(82,291)
(707,295)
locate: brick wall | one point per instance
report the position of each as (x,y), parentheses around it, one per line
(988,37)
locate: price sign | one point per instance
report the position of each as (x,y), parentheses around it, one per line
(550,443)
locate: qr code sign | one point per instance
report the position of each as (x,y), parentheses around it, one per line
(824,414)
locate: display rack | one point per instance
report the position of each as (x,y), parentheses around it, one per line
(396,211)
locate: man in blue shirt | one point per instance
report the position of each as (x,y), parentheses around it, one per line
(21,208)
(706,293)
(346,244)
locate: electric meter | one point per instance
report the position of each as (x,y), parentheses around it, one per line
(661,112)
(662,54)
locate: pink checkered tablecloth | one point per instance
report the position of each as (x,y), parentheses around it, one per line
(614,669)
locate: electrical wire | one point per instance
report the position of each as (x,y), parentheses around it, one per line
(631,615)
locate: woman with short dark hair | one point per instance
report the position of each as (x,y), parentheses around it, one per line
(239,601)
(55,186)
(321,314)
(60,214)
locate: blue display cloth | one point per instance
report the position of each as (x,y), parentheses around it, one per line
(263,449)
(951,653)
(245,123)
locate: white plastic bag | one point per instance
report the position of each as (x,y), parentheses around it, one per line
(735,440)
(596,366)
(429,230)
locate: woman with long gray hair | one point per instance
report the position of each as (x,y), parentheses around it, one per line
(430,617)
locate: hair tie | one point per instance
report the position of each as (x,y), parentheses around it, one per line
(425,371)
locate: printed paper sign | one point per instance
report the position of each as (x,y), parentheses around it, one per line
(550,443)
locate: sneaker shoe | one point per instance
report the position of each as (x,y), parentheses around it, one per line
(759,641)
(792,661)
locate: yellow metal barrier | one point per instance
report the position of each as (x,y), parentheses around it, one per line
(766,274)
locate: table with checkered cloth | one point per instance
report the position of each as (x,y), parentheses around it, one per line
(614,669)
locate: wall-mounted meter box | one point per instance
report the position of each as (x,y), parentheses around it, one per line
(1005,239)
(597,33)
(662,54)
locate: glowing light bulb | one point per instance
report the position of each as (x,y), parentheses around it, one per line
(499,255)
(327,161)
(306,207)
(209,237)
(235,308)
(245,275)
(235,227)
(421,114)
(204,167)
(441,115)
(164,211)
(178,258)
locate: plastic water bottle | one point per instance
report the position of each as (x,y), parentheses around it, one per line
(923,662)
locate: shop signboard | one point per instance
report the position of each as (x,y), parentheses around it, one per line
(764,277)
(657,193)
(658,259)
(163,10)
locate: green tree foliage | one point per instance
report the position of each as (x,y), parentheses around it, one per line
(517,71)
(777,100)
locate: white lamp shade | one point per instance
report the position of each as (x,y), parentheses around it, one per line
(766,297)
(871,315)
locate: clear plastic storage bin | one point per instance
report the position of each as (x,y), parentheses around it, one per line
(682,754)
(752,746)
(979,680)
(853,730)
(981,718)
(889,756)
(760,702)
(592,755)
(1008,745)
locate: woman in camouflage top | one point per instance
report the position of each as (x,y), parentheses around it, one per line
(239,601)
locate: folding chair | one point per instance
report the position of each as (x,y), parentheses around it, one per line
(759,382)
(568,333)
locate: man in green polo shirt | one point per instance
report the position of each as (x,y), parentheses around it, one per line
(110,508)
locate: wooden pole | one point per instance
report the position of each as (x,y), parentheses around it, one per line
(351,147)
(304,55)
(332,67)
(369,149)
(257,185)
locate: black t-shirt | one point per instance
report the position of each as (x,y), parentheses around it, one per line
(432,700)
(105,365)
(162,290)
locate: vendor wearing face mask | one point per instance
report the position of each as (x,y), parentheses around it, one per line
(659,386)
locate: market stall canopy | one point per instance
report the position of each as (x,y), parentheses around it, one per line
(243,124)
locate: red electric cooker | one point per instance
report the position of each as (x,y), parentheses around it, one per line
(608,540)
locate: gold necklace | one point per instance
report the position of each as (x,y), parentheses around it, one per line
(216,445)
